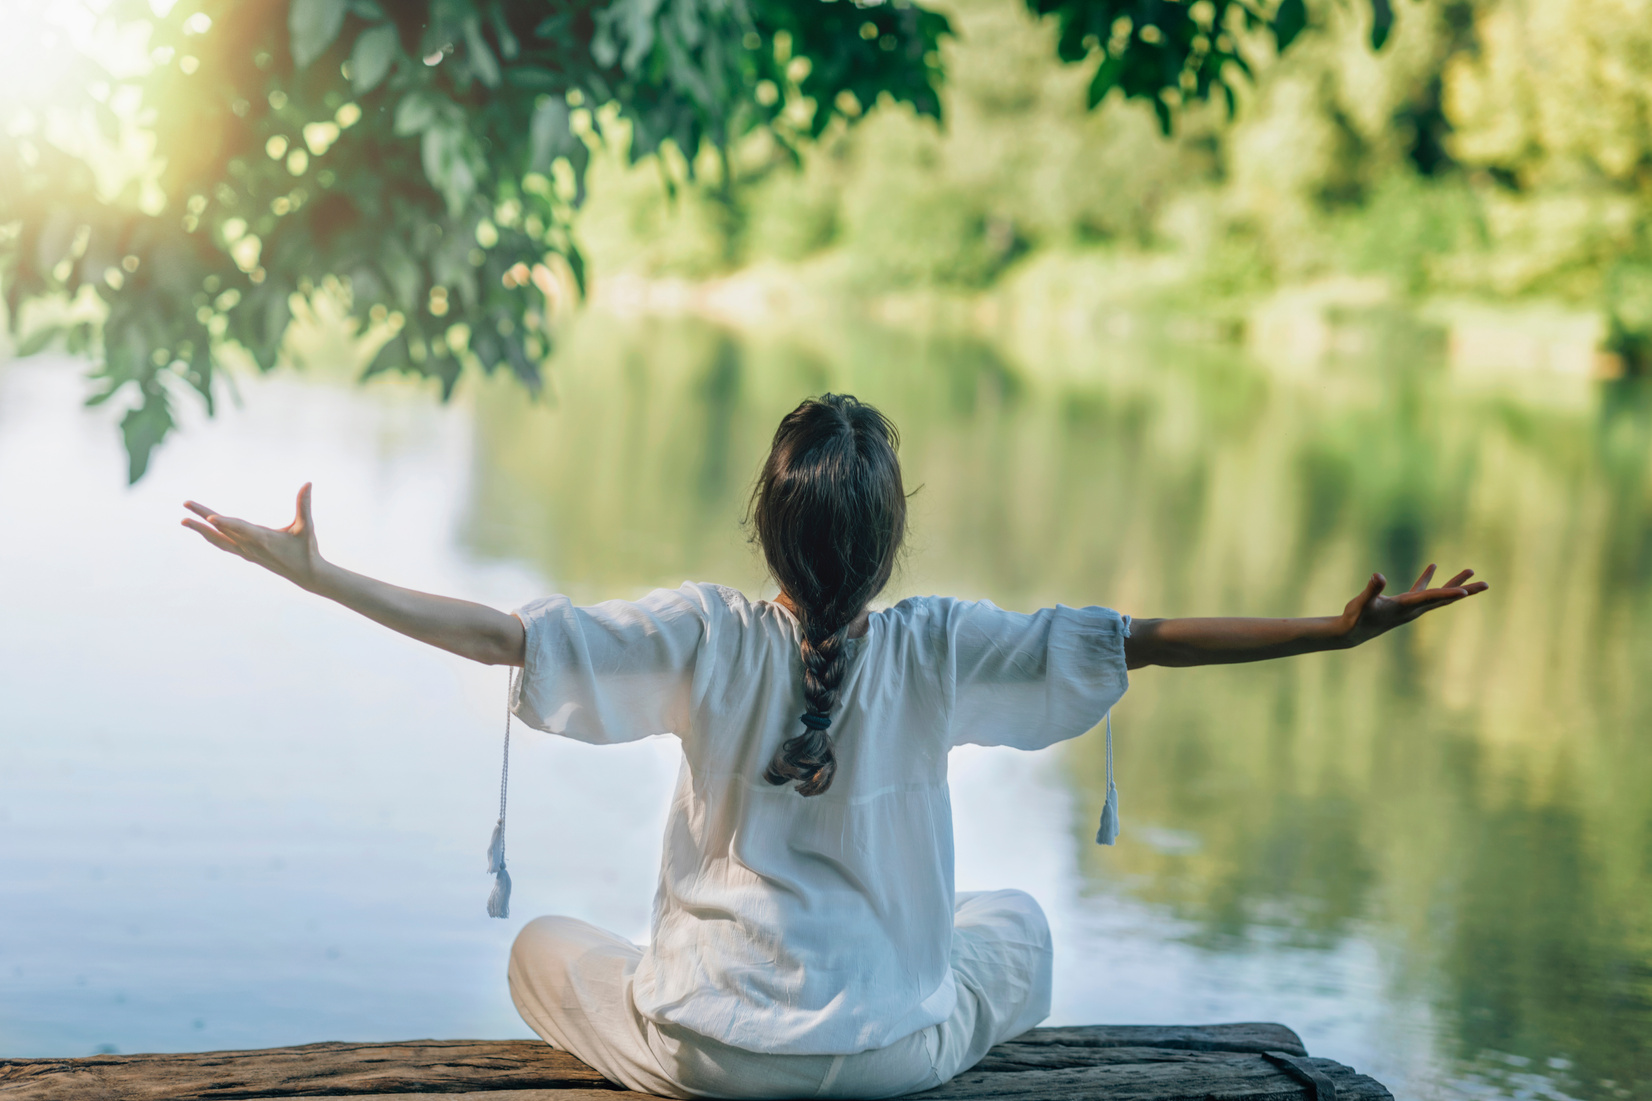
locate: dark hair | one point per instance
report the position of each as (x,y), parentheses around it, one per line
(830,513)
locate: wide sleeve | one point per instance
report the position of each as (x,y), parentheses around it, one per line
(1030,681)
(615,671)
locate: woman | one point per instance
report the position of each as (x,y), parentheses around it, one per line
(807,940)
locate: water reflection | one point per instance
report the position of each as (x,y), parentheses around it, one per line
(1473,798)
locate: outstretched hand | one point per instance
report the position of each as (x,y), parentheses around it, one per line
(1370,613)
(470,630)
(288,552)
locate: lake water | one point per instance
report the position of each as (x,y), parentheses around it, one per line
(233,815)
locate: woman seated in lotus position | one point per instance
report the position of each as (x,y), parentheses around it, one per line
(807,939)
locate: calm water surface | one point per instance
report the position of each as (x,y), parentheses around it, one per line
(234,815)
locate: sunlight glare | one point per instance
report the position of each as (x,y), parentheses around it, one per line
(38,50)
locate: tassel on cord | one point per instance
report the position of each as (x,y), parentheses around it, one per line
(499,899)
(1108,832)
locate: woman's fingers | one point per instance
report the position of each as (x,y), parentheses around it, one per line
(218,520)
(237,527)
(1454,592)
(303,517)
(1429,599)
(212,536)
(1454,589)
(1422,596)
(1358,605)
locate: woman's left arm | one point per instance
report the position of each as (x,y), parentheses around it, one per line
(1226,640)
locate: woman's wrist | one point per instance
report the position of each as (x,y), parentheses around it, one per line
(1339,634)
(323,579)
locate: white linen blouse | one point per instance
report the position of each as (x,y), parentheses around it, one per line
(820,925)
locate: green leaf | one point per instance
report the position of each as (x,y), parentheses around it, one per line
(401,272)
(1382,22)
(393,355)
(576,264)
(37,341)
(313,24)
(634,21)
(111,387)
(372,57)
(143,429)
(509,47)
(415,114)
(200,373)
(1289,20)
(448,165)
(1107,75)
(481,59)
(548,134)
(603,47)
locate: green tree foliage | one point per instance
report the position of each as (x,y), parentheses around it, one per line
(1553,105)
(428,156)
(1493,151)
(426,160)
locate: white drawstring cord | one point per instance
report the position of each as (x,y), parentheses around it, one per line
(499,900)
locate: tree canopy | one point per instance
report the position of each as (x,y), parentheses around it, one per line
(428,158)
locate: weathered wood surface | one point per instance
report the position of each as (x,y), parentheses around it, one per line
(1097,1063)
(1160,1074)
(314,1070)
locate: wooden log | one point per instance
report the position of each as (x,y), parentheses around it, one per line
(1159,1074)
(1111,1062)
(313,1070)
(1055,1043)
(501,1095)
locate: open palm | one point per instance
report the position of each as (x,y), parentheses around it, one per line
(290,552)
(1370,613)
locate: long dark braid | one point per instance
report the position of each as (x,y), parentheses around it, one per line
(830,512)
(809,757)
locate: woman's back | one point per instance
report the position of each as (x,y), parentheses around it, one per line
(817,925)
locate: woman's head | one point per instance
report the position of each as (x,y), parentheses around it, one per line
(829,510)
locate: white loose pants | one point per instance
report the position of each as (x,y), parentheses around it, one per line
(572,984)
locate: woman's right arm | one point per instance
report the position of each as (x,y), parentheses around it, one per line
(473,631)
(1227,640)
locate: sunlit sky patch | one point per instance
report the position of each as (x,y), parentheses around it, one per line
(59,56)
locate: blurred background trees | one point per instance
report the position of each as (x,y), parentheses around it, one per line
(1495,149)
